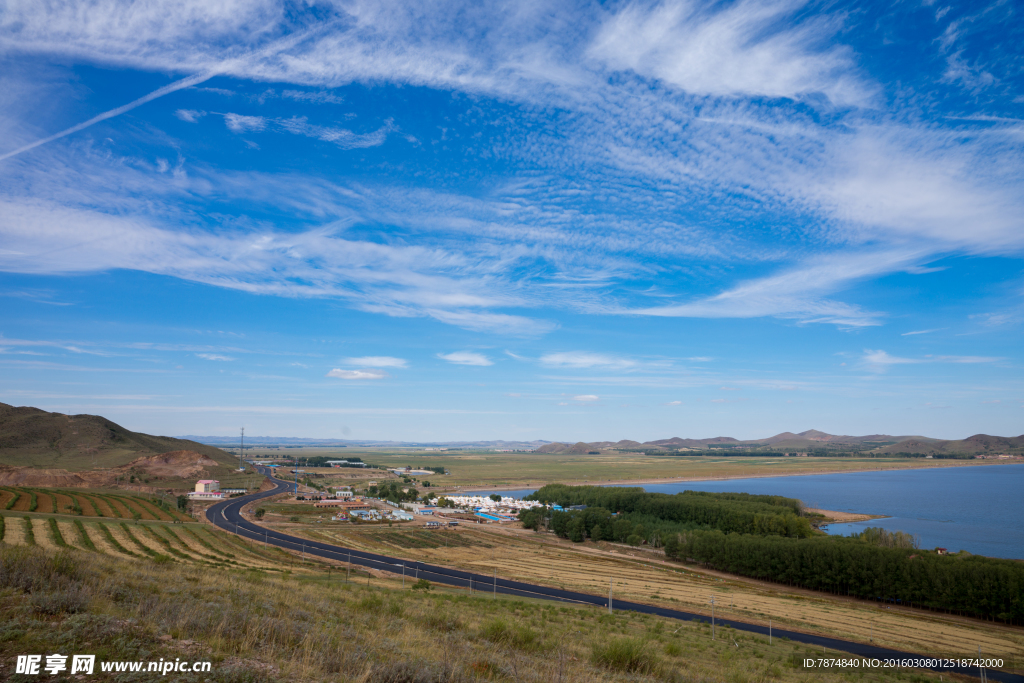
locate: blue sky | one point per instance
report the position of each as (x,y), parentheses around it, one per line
(434,220)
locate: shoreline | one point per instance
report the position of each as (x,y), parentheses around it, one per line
(678,480)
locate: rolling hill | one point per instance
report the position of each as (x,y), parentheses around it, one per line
(811,439)
(36,438)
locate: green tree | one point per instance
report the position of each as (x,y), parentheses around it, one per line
(182,502)
(495,497)
(259,513)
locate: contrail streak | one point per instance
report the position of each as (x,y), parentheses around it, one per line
(273,48)
(160,92)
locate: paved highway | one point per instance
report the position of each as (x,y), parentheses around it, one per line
(227,515)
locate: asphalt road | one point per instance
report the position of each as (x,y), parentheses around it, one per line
(227,515)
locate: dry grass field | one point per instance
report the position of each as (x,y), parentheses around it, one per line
(258,626)
(645,576)
(160,541)
(524,470)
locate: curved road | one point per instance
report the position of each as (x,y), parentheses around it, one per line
(227,515)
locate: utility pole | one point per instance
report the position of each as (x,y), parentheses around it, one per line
(769,631)
(712,616)
(495,583)
(348,568)
(241,449)
(609,596)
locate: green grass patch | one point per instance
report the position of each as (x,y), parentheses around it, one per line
(13,500)
(139,544)
(92,503)
(206,544)
(177,539)
(34,502)
(83,537)
(110,504)
(164,542)
(114,542)
(55,534)
(632,655)
(30,536)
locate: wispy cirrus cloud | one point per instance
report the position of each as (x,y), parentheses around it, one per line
(341,373)
(645,96)
(466,358)
(377,362)
(585,359)
(738,49)
(214,356)
(238,123)
(880,361)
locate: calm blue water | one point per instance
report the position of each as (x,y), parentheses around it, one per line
(977,509)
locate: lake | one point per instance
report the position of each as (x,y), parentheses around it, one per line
(978,509)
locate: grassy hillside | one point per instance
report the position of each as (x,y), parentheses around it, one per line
(256,626)
(33,437)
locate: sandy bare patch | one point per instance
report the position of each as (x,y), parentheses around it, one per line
(41,530)
(841,517)
(14,530)
(69,533)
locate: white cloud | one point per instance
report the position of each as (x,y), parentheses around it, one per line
(341,137)
(376,362)
(190,115)
(674,403)
(881,358)
(729,49)
(313,97)
(879,361)
(466,358)
(237,123)
(586,398)
(584,359)
(908,334)
(214,356)
(356,374)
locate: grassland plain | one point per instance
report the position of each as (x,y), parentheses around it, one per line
(646,576)
(260,626)
(524,470)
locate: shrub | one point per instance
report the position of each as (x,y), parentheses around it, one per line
(443,621)
(673,649)
(519,636)
(53,602)
(625,654)
(422,585)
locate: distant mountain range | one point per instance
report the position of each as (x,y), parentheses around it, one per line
(30,436)
(811,439)
(233,441)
